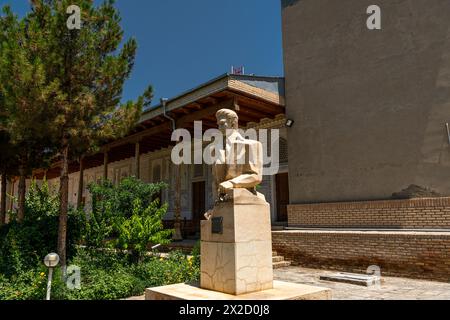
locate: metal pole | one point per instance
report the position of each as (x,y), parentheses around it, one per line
(177,236)
(49,283)
(105,165)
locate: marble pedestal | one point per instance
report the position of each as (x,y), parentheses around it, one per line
(239,259)
(280,291)
(236,262)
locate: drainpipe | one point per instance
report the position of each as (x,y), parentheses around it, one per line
(177,236)
(164,105)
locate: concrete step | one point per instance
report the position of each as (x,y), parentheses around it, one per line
(282,264)
(277,259)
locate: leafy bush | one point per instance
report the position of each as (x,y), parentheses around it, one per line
(41,202)
(176,268)
(130,214)
(196,255)
(98,227)
(102,284)
(105,275)
(120,199)
(109,275)
(28,285)
(24,245)
(134,221)
(142,228)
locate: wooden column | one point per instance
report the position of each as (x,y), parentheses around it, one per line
(3,200)
(105,165)
(137,160)
(177,236)
(11,202)
(80,185)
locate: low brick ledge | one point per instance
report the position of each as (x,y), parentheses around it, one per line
(343,232)
(377,204)
(425,213)
(411,254)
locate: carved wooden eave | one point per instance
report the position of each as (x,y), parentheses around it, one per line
(254,98)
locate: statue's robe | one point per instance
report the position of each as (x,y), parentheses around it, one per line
(241,163)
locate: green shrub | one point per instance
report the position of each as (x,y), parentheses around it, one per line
(130,221)
(176,268)
(128,216)
(101,284)
(27,285)
(24,245)
(41,202)
(120,199)
(144,227)
(98,227)
(105,275)
(180,268)
(196,254)
(109,275)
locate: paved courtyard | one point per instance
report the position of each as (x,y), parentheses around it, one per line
(391,288)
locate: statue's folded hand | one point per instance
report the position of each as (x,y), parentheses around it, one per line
(225,186)
(209,214)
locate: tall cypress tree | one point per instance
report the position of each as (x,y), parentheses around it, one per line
(86,70)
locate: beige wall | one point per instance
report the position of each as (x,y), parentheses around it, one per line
(370,106)
(125,168)
(160,162)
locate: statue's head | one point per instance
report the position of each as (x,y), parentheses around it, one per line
(227,119)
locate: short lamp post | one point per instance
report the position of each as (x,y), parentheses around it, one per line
(51,261)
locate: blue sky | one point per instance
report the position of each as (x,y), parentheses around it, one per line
(184,43)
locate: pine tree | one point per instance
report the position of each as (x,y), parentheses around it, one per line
(86,70)
(24,93)
(7,155)
(8,166)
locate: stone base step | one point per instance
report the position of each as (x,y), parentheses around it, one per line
(281,291)
(277,259)
(282,264)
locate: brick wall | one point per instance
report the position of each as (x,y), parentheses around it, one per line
(433,213)
(424,255)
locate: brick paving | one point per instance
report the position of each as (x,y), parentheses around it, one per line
(392,288)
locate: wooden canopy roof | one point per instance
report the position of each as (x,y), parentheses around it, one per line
(253,98)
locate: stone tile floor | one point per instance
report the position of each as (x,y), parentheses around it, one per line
(391,289)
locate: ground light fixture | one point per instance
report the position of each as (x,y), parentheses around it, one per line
(289,123)
(51,261)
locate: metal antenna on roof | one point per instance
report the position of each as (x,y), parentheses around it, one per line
(238,70)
